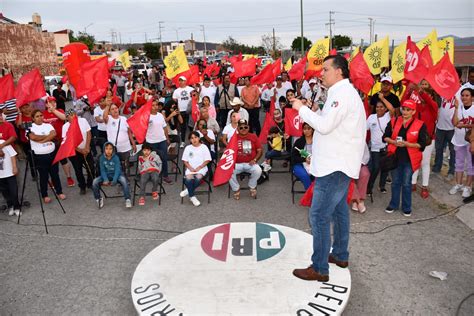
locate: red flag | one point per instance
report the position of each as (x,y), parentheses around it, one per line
(64,79)
(7,88)
(425,57)
(443,78)
(235,59)
(204,61)
(293,123)
(245,68)
(138,122)
(360,74)
(70,142)
(268,74)
(415,69)
(311,74)
(192,76)
(212,70)
(225,166)
(233,78)
(195,113)
(111,63)
(269,122)
(347,56)
(94,81)
(333,52)
(30,87)
(297,71)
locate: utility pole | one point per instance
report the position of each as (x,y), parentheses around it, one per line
(146,39)
(372,28)
(161,41)
(331,23)
(120,37)
(274,44)
(301,14)
(204,35)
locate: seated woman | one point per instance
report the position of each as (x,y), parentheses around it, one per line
(229,129)
(301,156)
(195,158)
(41,138)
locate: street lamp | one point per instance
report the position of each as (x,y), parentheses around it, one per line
(85,28)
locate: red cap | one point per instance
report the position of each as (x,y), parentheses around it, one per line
(409,104)
(50,99)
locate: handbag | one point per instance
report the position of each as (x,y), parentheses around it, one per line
(388,162)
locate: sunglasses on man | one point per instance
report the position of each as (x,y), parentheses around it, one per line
(244,127)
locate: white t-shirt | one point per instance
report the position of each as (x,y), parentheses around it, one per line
(465,116)
(123,142)
(183,95)
(445,115)
(240,88)
(280,92)
(83,125)
(156,126)
(267,94)
(98,112)
(208,92)
(229,131)
(244,115)
(195,156)
(377,131)
(287,85)
(42,130)
(6,166)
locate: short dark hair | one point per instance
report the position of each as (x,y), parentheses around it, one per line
(273,130)
(195,133)
(339,62)
(471,91)
(282,99)
(290,90)
(146,146)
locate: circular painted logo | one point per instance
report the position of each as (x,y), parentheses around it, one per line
(236,269)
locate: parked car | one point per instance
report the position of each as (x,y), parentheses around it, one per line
(51,82)
(158,63)
(143,66)
(190,60)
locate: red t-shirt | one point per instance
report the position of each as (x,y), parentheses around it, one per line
(247,147)
(6,131)
(25,119)
(57,123)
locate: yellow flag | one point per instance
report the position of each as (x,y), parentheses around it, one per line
(376,56)
(446,45)
(288,65)
(176,62)
(398,62)
(317,53)
(354,53)
(432,41)
(125,60)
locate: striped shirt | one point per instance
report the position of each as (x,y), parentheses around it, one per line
(10,105)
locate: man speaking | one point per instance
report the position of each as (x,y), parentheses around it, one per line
(338,146)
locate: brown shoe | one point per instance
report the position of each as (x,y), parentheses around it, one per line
(309,274)
(339,263)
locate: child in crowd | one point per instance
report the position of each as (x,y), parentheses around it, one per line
(275,142)
(8,184)
(110,175)
(149,167)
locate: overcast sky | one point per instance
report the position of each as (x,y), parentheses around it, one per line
(247,20)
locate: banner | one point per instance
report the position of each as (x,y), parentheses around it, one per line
(398,62)
(176,62)
(377,55)
(317,53)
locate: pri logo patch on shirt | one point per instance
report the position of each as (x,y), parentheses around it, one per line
(334,104)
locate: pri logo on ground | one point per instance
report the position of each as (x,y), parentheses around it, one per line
(266,242)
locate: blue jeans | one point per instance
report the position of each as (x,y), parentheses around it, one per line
(122,180)
(374,168)
(442,139)
(401,184)
(161,149)
(329,205)
(300,172)
(272,154)
(192,182)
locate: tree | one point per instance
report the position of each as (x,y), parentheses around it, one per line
(85,38)
(152,51)
(340,41)
(235,47)
(267,44)
(296,44)
(132,51)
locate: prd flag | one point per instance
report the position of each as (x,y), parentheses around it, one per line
(447,46)
(139,121)
(288,65)
(317,53)
(125,60)
(176,62)
(443,78)
(30,87)
(7,88)
(225,166)
(376,56)
(416,67)
(70,142)
(398,62)
(293,123)
(269,122)
(431,40)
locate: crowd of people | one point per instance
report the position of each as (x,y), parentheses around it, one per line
(406,122)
